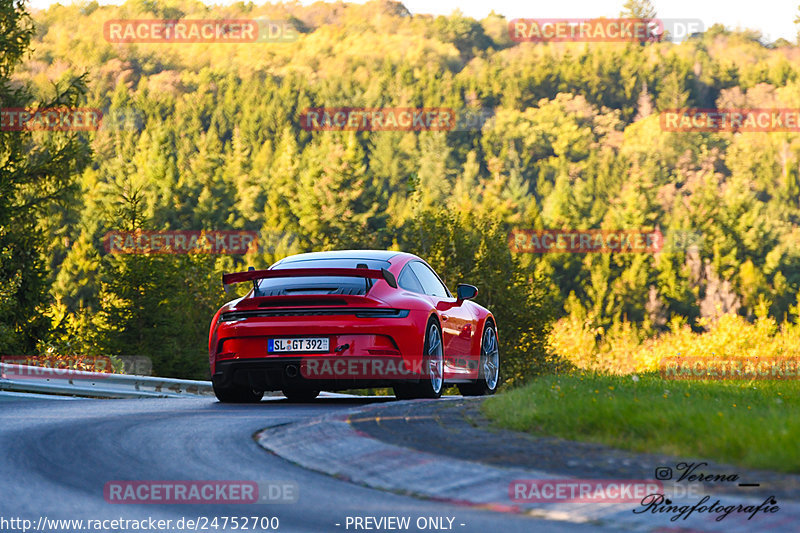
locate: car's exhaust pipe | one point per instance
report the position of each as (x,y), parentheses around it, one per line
(291,371)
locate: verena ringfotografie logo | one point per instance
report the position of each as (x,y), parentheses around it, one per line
(378,119)
(50,119)
(659,504)
(697,368)
(180,242)
(200,492)
(731,120)
(584,241)
(582,490)
(199,31)
(55,366)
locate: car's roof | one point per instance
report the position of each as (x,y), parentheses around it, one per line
(379,255)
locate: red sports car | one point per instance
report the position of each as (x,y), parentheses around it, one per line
(348,320)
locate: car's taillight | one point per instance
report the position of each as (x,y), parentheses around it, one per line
(221,353)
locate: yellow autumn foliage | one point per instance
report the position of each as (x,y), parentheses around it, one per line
(626,348)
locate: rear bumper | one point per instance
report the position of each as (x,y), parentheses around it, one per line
(239,353)
(279,373)
(348,336)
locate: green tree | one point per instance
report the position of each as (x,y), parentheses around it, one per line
(157,305)
(36,169)
(335,205)
(468,248)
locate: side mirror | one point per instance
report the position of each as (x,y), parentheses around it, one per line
(466,292)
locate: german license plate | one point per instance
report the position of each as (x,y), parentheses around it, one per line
(298,344)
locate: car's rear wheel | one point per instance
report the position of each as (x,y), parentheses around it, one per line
(300,395)
(237,394)
(431,383)
(488,366)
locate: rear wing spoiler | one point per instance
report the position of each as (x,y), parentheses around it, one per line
(367,273)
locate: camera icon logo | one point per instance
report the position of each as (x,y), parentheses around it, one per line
(663,473)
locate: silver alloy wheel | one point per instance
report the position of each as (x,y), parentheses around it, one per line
(435,358)
(491,358)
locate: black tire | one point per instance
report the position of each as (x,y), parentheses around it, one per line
(237,395)
(300,395)
(404,392)
(432,384)
(488,366)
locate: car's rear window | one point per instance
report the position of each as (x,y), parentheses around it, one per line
(319,284)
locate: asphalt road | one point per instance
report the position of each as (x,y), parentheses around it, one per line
(57,456)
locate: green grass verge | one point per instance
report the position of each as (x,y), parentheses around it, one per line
(752,424)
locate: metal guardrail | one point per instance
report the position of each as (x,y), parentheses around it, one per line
(22,378)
